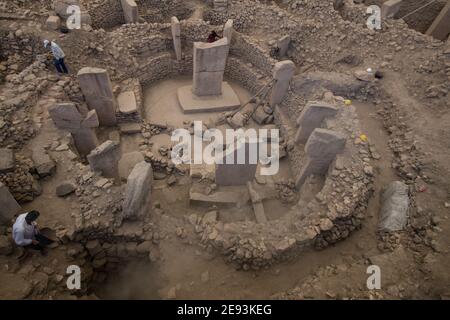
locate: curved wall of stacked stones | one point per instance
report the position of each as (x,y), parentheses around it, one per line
(105,13)
(331,215)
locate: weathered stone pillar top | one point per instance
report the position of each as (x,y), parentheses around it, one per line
(284,70)
(325,142)
(88,70)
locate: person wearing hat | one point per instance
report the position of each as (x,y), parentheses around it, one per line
(58,56)
(26,233)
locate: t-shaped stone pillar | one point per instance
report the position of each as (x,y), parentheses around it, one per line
(176,35)
(282,74)
(312,117)
(97,90)
(66,116)
(322,147)
(209,67)
(208,91)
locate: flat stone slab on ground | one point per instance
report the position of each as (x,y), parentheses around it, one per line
(193,104)
(127,102)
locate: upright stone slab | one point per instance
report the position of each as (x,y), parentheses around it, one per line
(209,67)
(390,8)
(176,36)
(97,89)
(228,30)
(440,28)
(321,149)
(8,205)
(6,160)
(137,193)
(105,159)
(239,165)
(283,45)
(68,117)
(282,73)
(130,11)
(312,117)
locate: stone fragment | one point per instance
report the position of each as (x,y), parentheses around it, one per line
(43,164)
(65,188)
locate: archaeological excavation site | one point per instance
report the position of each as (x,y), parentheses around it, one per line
(224,149)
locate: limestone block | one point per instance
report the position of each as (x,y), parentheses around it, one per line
(97,90)
(105,159)
(321,149)
(312,117)
(137,193)
(127,102)
(282,73)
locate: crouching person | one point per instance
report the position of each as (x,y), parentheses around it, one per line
(26,233)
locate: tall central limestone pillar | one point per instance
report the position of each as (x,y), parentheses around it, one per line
(209,92)
(209,66)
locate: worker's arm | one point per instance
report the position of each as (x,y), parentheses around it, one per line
(20,240)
